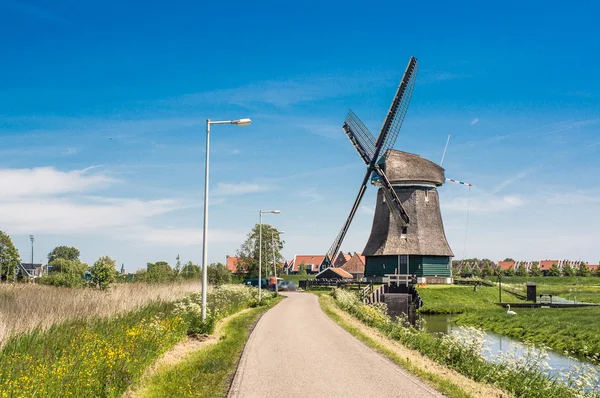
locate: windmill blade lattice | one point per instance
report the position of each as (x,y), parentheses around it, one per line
(360,133)
(399,107)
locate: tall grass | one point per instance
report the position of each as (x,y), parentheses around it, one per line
(25,308)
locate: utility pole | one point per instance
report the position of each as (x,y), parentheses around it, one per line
(32,239)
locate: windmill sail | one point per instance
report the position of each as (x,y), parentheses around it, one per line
(369,150)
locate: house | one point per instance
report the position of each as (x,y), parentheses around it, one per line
(341,259)
(232,264)
(311,263)
(545,265)
(506,265)
(31,270)
(355,266)
(334,273)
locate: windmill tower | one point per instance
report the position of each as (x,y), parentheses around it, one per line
(407,236)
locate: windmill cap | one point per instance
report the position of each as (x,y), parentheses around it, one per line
(403,167)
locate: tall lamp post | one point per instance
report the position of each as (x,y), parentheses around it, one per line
(260,250)
(239,122)
(274,260)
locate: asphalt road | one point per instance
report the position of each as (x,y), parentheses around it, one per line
(297,351)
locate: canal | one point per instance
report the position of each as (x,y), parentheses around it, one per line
(495,346)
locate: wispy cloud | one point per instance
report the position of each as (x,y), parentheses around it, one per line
(181,236)
(311,195)
(34,11)
(238,189)
(368,210)
(474,121)
(433,76)
(511,180)
(285,93)
(485,203)
(70,151)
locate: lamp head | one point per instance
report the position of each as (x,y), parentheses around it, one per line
(242,122)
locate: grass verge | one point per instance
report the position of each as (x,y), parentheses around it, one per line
(436,377)
(208,372)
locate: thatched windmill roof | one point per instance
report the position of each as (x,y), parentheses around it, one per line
(403,167)
(425,234)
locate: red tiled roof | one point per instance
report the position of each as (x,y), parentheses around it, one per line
(341,259)
(504,265)
(593,267)
(232,264)
(313,262)
(356,265)
(547,264)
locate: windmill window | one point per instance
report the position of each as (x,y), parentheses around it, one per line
(427,196)
(403,231)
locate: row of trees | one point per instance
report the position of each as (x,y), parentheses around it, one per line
(485,268)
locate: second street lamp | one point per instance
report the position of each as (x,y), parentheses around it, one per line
(260,249)
(274,260)
(239,122)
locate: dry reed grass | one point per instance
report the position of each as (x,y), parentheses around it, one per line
(24,308)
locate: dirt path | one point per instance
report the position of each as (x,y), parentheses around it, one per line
(297,351)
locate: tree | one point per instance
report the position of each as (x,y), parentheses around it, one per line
(509,259)
(509,271)
(466,271)
(476,270)
(302,269)
(554,271)
(64,252)
(9,257)
(271,247)
(487,271)
(521,270)
(583,270)
(177,266)
(534,270)
(104,272)
(159,271)
(66,273)
(568,270)
(190,270)
(218,274)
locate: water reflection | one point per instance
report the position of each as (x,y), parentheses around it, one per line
(494,344)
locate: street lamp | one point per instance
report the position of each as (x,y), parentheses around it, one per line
(239,122)
(274,261)
(260,250)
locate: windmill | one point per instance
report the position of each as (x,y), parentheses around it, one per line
(407,235)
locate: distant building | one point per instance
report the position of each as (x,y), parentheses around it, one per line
(355,266)
(232,264)
(32,270)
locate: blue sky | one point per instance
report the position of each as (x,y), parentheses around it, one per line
(103,108)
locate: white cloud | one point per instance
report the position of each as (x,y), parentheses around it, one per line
(474,121)
(70,151)
(238,189)
(44,181)
(182,236)
(90,215)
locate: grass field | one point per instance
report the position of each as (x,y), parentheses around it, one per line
(582,289)
(456,299)
(26,307)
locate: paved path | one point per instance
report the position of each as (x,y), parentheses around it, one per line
(297,351)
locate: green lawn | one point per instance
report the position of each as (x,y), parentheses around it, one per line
(583,289)
(455,299)
(572,329)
